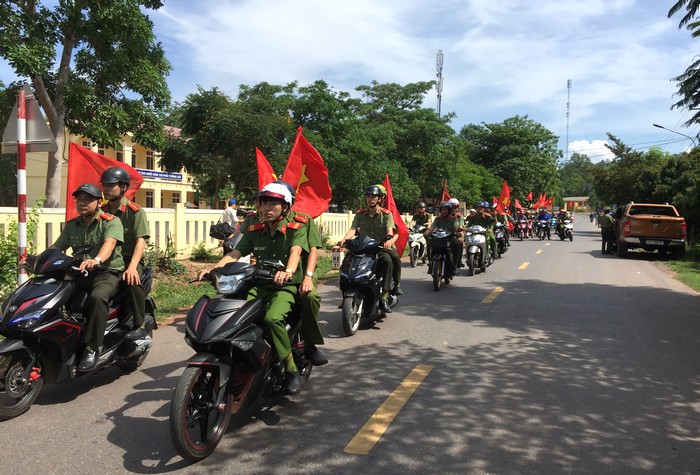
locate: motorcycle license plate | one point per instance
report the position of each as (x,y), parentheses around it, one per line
(655,243)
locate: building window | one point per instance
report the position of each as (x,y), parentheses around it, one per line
(176,197)
(149,199)
(133,157)
(162,199)
(149,160)
(87,144)
(120,156)
(101,151)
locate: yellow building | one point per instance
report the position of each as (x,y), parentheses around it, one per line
(160,189)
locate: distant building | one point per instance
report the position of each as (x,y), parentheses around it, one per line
(575,202)
(160,189)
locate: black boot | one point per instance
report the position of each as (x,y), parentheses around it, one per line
(315,356)
(384,306)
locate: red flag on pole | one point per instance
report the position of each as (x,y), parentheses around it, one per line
(266,174)
(518,205)
(445,195)
(307,173)
(529,196)
(504,198)
(86,166)
(550,203)
(401,227)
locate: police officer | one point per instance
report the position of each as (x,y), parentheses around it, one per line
(485,220)
(279,237)
(104,263)
(461,225)
(447,221)
(377,223)
(115,182)
(606,223)
(422,217)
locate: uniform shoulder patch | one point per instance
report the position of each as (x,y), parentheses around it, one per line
(133,206)
(459,215)
(256,227)
(301,218)
(294,225)
(385,210)
(107,216)
(361,210)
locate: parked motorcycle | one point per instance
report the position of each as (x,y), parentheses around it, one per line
(500,233)
(566,230)
(543,229)
(361,284)
(477,252)
(42,321)
(417,244)
(441,264)
(234,365)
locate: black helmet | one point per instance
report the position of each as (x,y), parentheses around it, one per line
(288,187)
(421,204)
(89,189)
(115,175)
(373,190)
(446,204)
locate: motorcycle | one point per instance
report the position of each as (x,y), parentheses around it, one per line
(441,264)
(500,233)
(417,244)
(521,228)
(543,229)
(566,230)
(477,253)
(361,284)
(234,365)
(42,321)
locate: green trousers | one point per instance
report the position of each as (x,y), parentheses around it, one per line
(310,312)
(102,286)
(493,245)
(137,299)
(281,302)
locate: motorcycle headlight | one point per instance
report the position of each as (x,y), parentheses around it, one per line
(27,321)
(228,284)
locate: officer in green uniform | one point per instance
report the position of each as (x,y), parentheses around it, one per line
(115,182)
(280,237)
(606,223)
(422,217)
(446,221)
(485,220)
(106,234)
(377,223)
(460,224)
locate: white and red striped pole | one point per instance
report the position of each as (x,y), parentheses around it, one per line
(21,183)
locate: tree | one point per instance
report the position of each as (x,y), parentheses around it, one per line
(8,163)
(576,176)
(95,68)
(520,150)
(689,81)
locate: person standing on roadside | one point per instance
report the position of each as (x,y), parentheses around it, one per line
(606,223)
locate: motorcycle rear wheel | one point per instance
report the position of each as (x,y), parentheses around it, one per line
(437,275)
(196,424)
(352,314)
(16,397)
(133,364)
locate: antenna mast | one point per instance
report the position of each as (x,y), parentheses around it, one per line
(438,85)
(568,104)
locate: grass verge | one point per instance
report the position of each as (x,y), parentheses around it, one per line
(688,269)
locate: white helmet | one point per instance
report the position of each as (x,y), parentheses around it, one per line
(277,191)
(454,202)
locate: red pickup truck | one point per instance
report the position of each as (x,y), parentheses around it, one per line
(651,227)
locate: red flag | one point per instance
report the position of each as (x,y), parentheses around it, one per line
(307,173)
(86,166)
(504,198)
(550,203)
(518,205)
(529,196)
(445,195)
(401,227)
(266,174)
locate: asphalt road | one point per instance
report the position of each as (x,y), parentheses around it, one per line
(582,363)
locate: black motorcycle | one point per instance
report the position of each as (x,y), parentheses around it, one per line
(42,321)
(500,233)
(235,366)
(441,263)
(361,284)
(543,229)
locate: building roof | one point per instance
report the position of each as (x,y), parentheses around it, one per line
(575,198)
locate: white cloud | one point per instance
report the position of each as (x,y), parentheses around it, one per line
(594,149)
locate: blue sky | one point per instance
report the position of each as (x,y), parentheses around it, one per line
(501,59)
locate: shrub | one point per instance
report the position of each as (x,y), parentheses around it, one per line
(8,249)
(164,260)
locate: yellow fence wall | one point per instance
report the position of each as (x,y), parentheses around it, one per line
(186,227)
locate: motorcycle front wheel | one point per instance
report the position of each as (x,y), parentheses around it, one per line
(471,263)
(571,236)
(437,274)
(414,256)
(197,423)
(352,313)
(16,395)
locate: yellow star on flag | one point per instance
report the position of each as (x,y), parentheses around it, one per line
(303,178)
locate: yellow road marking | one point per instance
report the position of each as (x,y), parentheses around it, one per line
(523,265)
(492,296)
(374,428)
(539,251)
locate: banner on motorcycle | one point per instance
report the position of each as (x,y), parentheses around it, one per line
(86,166)
(401,227)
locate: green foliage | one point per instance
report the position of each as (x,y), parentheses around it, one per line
(8,250)
(324,266)
(201,253)
(176,294)
(164,260)
(689,81)
(577,176)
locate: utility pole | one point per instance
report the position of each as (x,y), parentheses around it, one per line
(438,85)
(568,105)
